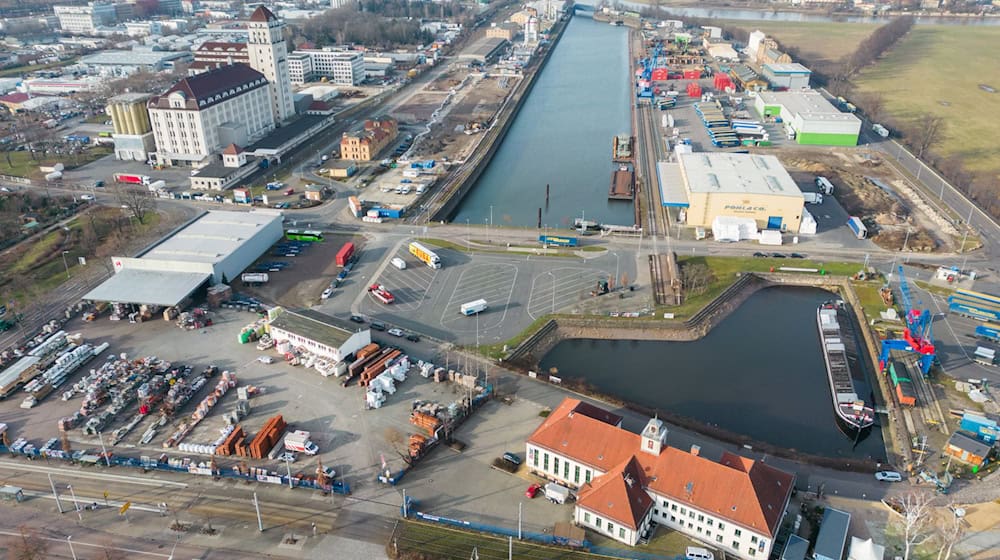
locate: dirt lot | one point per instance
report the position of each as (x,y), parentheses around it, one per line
(867,187)
(477,101)
(301,284)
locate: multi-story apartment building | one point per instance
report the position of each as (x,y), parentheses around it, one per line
(201,114)
(366,144)
(626,481)
(84,20)
(340,67)
(300,69)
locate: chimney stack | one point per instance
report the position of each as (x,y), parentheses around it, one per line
(695,450)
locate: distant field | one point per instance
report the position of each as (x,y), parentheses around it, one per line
(816,41)
(938,69)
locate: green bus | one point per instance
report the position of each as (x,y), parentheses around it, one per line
(304,235)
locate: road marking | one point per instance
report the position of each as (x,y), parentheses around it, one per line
(567,291)
(492,292)
(95,476)
(102,546)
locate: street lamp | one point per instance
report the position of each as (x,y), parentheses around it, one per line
(65,265)
(76,504)
(616,269)
(69,541)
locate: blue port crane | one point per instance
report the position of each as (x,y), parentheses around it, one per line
(916,334)
(646,89)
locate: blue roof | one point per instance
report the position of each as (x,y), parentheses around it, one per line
(832,535)
(795,549)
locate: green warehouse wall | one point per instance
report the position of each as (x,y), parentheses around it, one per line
(826,139)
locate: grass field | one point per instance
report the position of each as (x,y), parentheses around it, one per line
(445,543)
(23,166)
(818,41)
(938,69)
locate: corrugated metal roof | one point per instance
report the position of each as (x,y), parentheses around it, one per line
(150,287)
(832,535)
(672,190)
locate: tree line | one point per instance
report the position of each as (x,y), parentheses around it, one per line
(349,26)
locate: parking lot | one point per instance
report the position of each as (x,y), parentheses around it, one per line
(518,289)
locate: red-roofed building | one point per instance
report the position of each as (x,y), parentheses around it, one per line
(625,481)
(213,54)
(365,145)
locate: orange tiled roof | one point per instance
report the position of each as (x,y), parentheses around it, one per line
(619,495)
(741,490)
(585,439)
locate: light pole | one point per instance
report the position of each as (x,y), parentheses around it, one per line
(65,265)
(76,504)
(491,223)
(553,292)
(69,541)
(468,233)
(288,465)
(965,237)
(616,269)
(256,506)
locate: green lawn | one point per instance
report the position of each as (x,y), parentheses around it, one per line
(725,269)
(438,542)
(22,165)
(871,301)
(817,41)
(937,69)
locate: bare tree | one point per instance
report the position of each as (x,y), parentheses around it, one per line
(929,129)
(950,530)
(916,524)
(30,546)
(873,105)
(136,202)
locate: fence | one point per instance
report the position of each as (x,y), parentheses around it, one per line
(542,538)
(196,468)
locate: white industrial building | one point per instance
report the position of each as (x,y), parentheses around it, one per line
(214,248)
(790,76)
(84,20)
(310,331)
(202,114)
(338,66)
(809,117)
(119,64)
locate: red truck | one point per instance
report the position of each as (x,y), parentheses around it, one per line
(344,254)
(379,292)
(132,179)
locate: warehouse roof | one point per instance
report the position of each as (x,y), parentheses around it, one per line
(715,172)
(968,443)
(832,534)
(810,104)
(150,287)
(212,237)
(672,191)
(789,68)
(313,327)
(289,131)
(133,58)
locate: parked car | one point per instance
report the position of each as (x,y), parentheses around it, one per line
(326,293)
(329,472)
(759,255)
(532,490)
(357,319)
(797,256)
(777,255)
(378,326)
(511,458)
(412,337)
(86,197)
(265,360)
(287,457)
(888,476)
(397,332)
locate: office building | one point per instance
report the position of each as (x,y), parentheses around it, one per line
(340,67)
(84,20)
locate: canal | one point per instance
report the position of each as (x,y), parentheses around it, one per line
(562,137)
(759,373)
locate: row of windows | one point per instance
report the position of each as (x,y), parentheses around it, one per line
(598,522)
(555,467)
(682,512)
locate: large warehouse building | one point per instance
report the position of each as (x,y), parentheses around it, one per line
(214,248)
(709,185)
(313,332)
(813,119)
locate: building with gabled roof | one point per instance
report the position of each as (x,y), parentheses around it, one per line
(201,114)
(625,481)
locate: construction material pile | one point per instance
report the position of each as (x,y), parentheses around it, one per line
(253,331)
(116,382)
(195,319)
(227,382)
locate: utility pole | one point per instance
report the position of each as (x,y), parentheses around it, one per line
(65,265)
(288,465)
(76,504)
(405,513)
(69,541)
(55,494)
(256,506)
(519,504)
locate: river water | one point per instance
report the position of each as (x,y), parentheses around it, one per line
(759,373)
(562,137)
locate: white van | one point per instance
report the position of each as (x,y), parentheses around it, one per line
(698,553)
(398,263)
